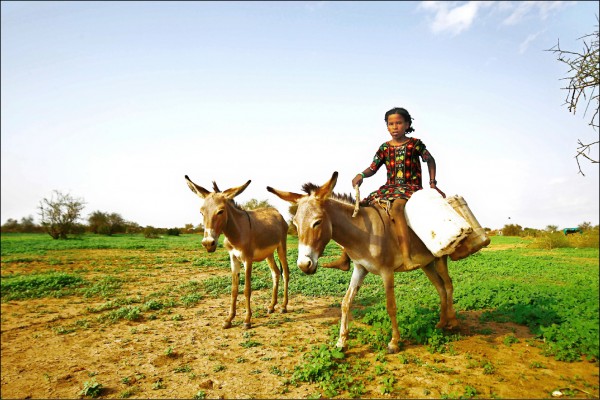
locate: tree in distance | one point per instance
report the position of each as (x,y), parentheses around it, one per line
(59,214)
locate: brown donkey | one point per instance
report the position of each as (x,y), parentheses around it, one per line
(249,236)
(369,240)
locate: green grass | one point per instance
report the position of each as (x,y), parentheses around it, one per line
(553,292)
(51,284)
(39,244)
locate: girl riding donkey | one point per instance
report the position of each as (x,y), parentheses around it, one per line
(401,158)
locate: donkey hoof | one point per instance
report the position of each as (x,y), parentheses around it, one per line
(393,348)
(284,311)
(341,346)
(271,310)
(247,325)
(452,324)
(441,325)
(226,324)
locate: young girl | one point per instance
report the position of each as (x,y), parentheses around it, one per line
(401,158)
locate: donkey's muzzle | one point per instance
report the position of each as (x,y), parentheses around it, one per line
(307,265)
(307,259)
(209,244)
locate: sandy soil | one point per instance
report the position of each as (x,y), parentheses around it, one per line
(186,352)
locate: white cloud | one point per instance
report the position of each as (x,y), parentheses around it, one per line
(452,16)
(456,17)
(525,44)
(526,9)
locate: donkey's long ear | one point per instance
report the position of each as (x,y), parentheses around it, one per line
(325,191)
(287,196)
(199,190)
(232,192)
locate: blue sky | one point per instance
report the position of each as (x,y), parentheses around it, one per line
(114,102)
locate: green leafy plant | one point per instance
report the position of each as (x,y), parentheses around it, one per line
(91,389)
(321,364)
(387,384)
(510,339)
(200,395)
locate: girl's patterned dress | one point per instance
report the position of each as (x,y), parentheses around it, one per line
(403,170)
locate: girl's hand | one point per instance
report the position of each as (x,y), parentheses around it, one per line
(357,180)
(434,186)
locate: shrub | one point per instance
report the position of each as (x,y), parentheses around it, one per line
(512,230)
(587,239)
(550,240)
(150,232)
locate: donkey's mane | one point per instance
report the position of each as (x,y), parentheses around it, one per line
(345,198)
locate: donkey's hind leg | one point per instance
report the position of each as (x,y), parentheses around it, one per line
(275,277)
(438,282)
(441,267)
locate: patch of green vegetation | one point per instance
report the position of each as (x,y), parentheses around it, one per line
(217,285)
(510,339)
(36,243)
(561,307)
(183,368)
(201,394)
(250,343)
(326,366)
(105,287)
(130,313)
(91,389)
(33,286)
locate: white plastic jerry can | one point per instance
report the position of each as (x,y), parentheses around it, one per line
(436,222)
(477,239)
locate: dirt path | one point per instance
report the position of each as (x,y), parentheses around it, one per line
(187,352)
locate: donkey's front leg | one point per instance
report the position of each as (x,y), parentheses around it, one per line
(248,292)
(358,275)
(235,284)
(388,283)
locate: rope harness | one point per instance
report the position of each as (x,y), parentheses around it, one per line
(385,205)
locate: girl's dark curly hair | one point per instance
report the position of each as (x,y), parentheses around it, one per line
(402,112)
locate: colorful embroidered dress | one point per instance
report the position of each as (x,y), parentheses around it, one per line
(403,170)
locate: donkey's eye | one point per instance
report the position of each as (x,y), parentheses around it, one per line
(220,212)
(316,223)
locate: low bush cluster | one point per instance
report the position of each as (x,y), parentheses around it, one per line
(558,240)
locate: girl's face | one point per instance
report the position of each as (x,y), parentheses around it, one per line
(397,126)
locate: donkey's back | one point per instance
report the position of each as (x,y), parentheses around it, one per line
(268,233)
(380,249)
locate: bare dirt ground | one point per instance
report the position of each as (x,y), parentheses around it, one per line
(180,357)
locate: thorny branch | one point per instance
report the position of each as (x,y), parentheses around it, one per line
(583,85)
